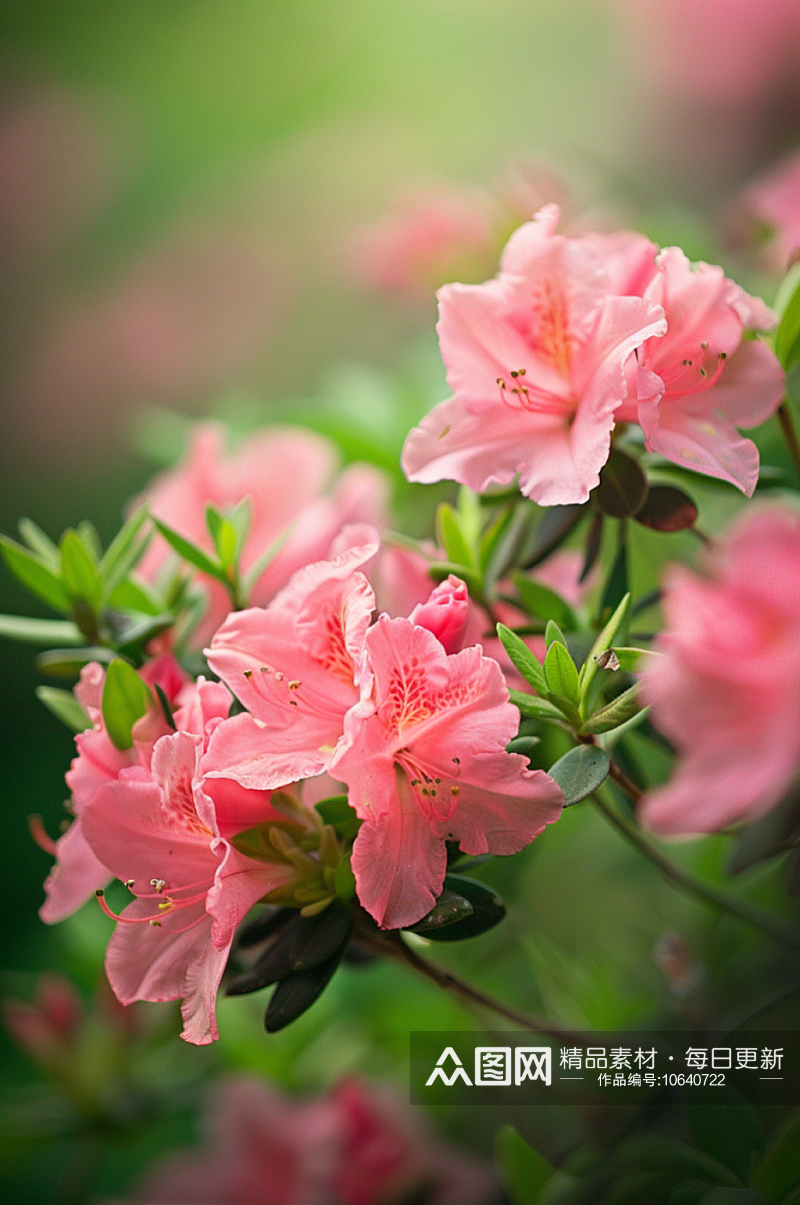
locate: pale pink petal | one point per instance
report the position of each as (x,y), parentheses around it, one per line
(240,883)
(261,759)
(752,386)
(445,613)
(75,877)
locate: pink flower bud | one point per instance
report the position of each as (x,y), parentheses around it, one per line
(445,613)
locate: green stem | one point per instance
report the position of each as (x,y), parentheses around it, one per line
(681,879)
(787,426)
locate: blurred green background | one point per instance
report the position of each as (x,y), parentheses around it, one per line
(181,189)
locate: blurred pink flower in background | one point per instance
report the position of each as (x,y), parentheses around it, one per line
(359,1145)
(289,474)
(725,690)
(771,203)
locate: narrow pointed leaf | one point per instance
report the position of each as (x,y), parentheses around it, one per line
(88,535)
(254,931)
(40,543)
(35,575)
(787,338)
(617,626)
(617,712)
(135,596)
(120,547)
(543,603)
(554,526)
(523,1170)
(190,552)
(535,708)
(561,673)
(451,537)
(522,658)
(591,551)
(552,633)
(79,573)
(68,663)
(337,812)
(39,631)
(293,996)
(64,706)
(125,700)
(617,584)
(580,772)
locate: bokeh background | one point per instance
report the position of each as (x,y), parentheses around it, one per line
(202,210)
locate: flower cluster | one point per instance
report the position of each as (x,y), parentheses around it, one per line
(577,335)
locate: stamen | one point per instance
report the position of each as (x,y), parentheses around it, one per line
(41,835)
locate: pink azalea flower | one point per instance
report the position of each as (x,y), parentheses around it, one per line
(773,200)
(725,691)
(701,381)
(425,761)
(159,830)
(445,613)
(77,872)
(537,361)
(295,666)
(288,475)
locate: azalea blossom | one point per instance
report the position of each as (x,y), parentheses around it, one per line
(295,666)
(289,475)
(773,201)
(425,762)
(701,380)
(77,872)
(160,831)
(537,361)
(725,690)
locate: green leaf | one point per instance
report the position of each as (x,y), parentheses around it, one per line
(539,600)
(787,338)
(65,707)
(119,548)
(580,772)
(780,1171)
(487,910)
(623,486)
(629,659)
(35,575)
(523,744)
(39,631)
(725,1126)
(135,596)
(255,571)
(492,537)
(522,658)
(298,992)
(667,509)
(554,526)
(732,1196)
(337,812)
(616,626)
(40,543)
(79,572)
(439,570)
(344,881)
(68,663)
(617,712)
(560,673)
(88,535)
(224,536)
(535,708)
(616,586)
(125,700)
(190,552)
(449,908)
(451,537)
(523,1171)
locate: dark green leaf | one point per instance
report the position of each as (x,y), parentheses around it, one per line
(780,1171)
(39,631)
(617,584)
(254,931)
(35,575)
(580,772)
(667,509)
(68,663)
(732,1196)
(125,700)
(591,551)
(487,910)
(449,907)
(451,536)
(136,634)
(344,881)
(561,673)
(65,707)
(554,526)
(726,1127)
(318,941)
(523,1171)
(539,600)
(40,543)
(623,486)
(617,712)
(190,552)
(337,812)
(294,995)
(523,744)
(522,658)
(79,572)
